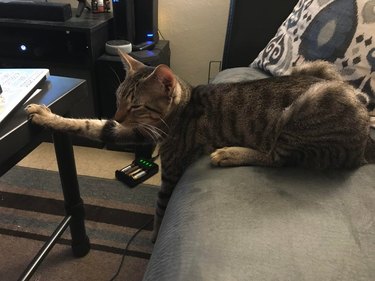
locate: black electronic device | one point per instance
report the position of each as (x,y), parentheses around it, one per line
(137,172)
(123,20)
(146,21)
(148,45)
(135,20)
(35,10)
(44,45)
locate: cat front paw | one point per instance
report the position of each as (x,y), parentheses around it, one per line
(225,157)
(39,114)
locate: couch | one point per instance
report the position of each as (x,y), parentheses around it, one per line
(256,223)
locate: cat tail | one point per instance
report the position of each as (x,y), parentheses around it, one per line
(319,69)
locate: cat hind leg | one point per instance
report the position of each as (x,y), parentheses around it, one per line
(240,156)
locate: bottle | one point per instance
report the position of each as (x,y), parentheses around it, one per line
(97,6)
(100,6)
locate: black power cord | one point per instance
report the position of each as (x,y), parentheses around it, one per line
(127,247)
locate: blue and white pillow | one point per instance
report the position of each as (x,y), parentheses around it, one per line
(338,31)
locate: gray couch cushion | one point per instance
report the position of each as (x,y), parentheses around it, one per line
(238,74)
(254,223)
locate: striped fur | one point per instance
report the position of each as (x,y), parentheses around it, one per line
(310,118)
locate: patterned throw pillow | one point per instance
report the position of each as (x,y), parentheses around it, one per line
(338,31)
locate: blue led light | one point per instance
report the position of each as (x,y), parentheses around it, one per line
(23,48)
(150,35)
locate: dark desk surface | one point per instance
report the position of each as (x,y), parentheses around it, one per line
(18,136)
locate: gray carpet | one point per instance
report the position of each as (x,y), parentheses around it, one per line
(31,207)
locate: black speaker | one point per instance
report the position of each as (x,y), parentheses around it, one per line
(35,10)
(123,19)
(146,21)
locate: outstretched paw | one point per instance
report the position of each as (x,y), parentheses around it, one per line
(226,156)
(39,114)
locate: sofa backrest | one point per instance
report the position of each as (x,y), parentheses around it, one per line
(251,24)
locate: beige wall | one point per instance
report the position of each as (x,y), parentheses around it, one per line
(196,31)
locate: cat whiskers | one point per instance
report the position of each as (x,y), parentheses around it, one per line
(157,130)
(154,132)
(118,78)
(165,123)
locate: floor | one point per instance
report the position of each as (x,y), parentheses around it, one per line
(89,161)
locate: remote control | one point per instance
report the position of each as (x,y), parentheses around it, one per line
(148,45)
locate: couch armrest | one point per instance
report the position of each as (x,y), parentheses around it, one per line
(256,223)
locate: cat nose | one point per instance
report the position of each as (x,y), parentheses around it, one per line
(119,116)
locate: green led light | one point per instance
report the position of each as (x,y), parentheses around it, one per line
(146,163)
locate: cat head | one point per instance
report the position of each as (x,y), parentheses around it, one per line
(147,96)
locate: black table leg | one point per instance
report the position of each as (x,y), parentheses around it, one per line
(75,212)
(73,202)
(43,252)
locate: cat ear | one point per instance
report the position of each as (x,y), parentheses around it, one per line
(164,75)
(129,62)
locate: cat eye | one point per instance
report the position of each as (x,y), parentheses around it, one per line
(152,109)
(135,106)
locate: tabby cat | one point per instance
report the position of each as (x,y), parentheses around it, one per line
(310,118)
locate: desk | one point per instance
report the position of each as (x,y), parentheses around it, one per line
(18,137)
(67,49)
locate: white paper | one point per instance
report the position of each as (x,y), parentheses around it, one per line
(17,84)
